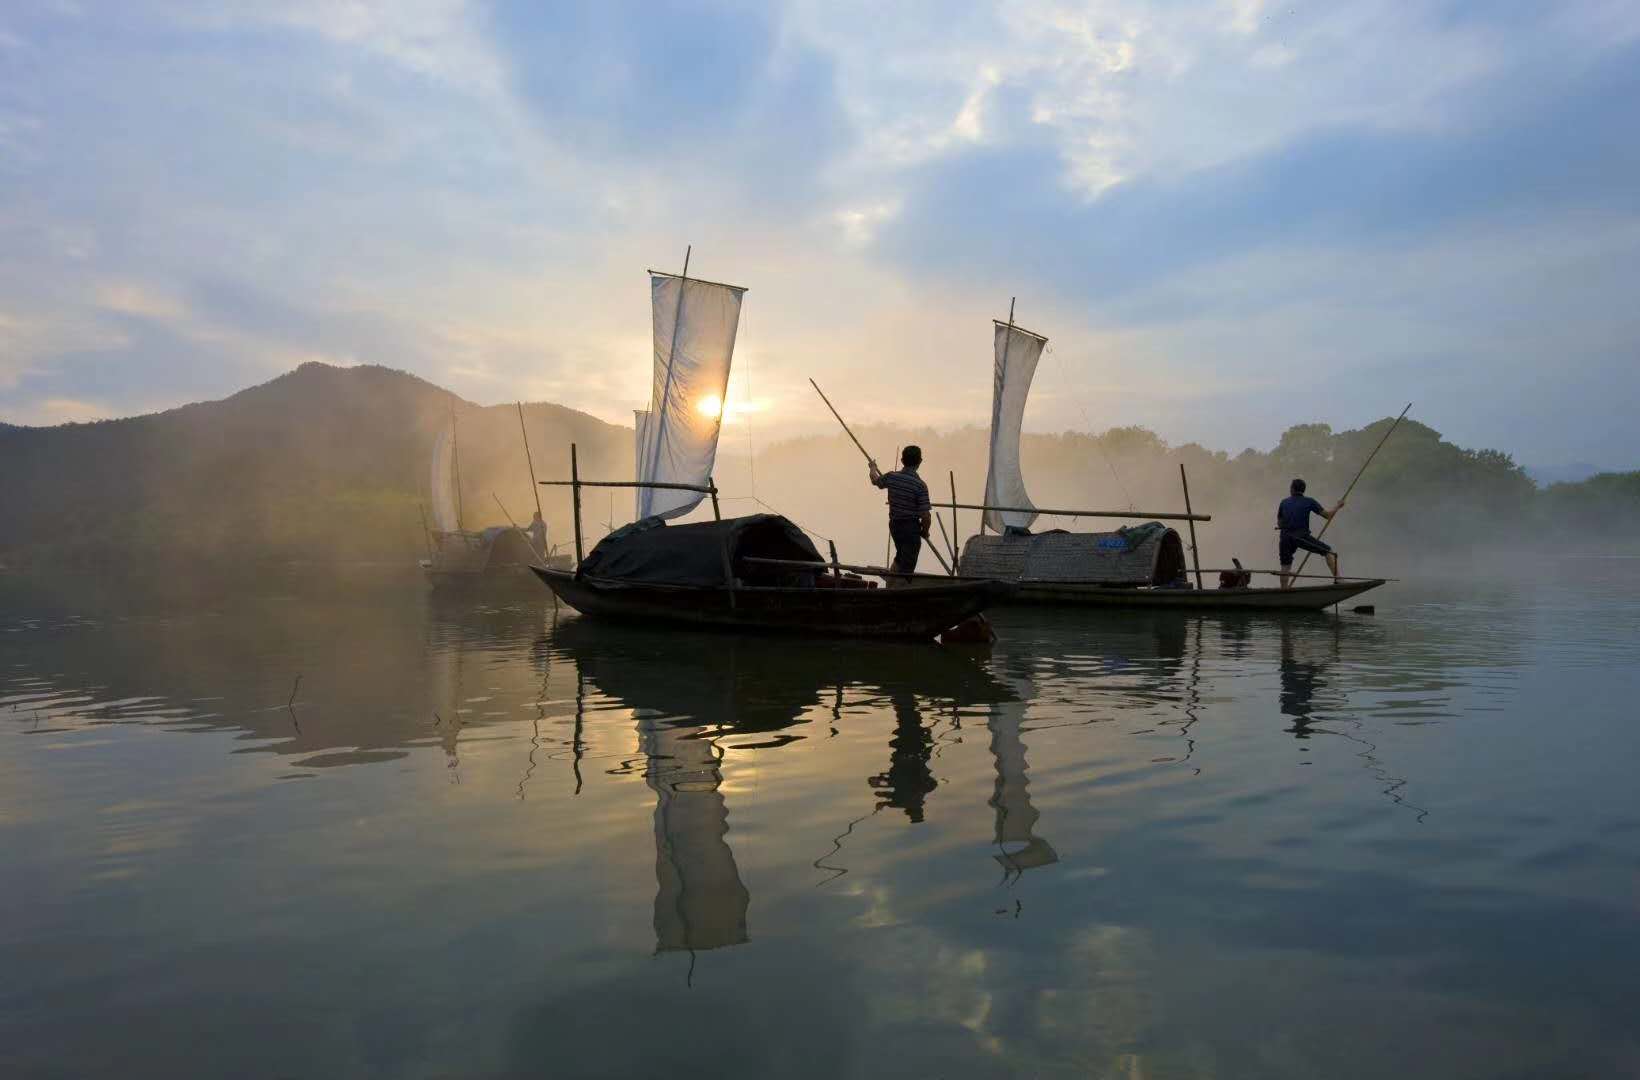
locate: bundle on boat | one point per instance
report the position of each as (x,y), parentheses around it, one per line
(1141,555)
(756,572)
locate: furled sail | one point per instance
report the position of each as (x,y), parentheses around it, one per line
(446,512)
(695,324)
(1017,352)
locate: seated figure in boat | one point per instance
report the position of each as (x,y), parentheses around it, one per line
(538,534)
(909,512)
(1293,520)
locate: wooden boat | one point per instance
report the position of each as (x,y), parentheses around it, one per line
(494,557)
(1141,566)
(499,556)
(1136,566)
(753,573)
(1300,597)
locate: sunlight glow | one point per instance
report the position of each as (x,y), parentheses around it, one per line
(711,407)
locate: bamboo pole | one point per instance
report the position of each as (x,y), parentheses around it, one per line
(1195,556)
(949,570)
(716,515)
(888,571)
(956,534)
(1317,577)
(996,413)
(702,488)
(455,461)
(1158,516)
(1345,498)
(535,489)
(575,496)
(671,357)
(855,568)
(938,557)
(869,459)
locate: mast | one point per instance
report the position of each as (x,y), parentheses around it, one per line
(455,459)
(996,408)
(671,358)
(535,489)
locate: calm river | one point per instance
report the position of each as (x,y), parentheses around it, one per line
(365,832)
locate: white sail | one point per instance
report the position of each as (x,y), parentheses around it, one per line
(641,456)
(695,324)
(446,516)
(1017,352)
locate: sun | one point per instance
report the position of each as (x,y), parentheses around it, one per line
(710,407)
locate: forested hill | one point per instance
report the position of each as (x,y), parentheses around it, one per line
(332,465)
(322,463)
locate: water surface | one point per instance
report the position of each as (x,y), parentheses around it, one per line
(369,832)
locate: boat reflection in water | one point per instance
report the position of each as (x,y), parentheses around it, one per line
(689,692)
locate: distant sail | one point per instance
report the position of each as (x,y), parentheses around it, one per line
(446,517)
(1017,352)
(695,324)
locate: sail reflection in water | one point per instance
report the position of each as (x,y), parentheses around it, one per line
(700,902)
(691,693)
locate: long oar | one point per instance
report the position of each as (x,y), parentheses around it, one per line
(870,461)
(1357,480)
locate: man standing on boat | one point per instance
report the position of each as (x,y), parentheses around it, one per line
(909,512)
(1293,519)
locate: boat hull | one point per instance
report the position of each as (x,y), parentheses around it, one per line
(918,611)
(1298,598)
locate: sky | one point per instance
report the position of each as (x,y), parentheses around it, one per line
(1228,216)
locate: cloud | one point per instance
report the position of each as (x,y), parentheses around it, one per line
(1227,214)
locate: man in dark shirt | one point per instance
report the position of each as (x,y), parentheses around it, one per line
(1293,519)
(909,512)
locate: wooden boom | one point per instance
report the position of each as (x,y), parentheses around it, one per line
(704,489)
(1080,513)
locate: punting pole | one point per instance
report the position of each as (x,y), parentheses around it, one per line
(1195,556)
(575,497)
(1357,479)
(956,534)
(869,459)
(535,489)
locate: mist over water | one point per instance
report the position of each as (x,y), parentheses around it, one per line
(488,839)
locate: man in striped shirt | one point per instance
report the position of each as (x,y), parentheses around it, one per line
(909,513)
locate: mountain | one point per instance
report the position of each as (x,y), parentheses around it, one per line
(322,463)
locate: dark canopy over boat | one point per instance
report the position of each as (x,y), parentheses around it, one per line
(700,553)
(757,572)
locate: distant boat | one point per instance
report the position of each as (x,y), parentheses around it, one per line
(1137,566)
(757,573)
(457,556)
